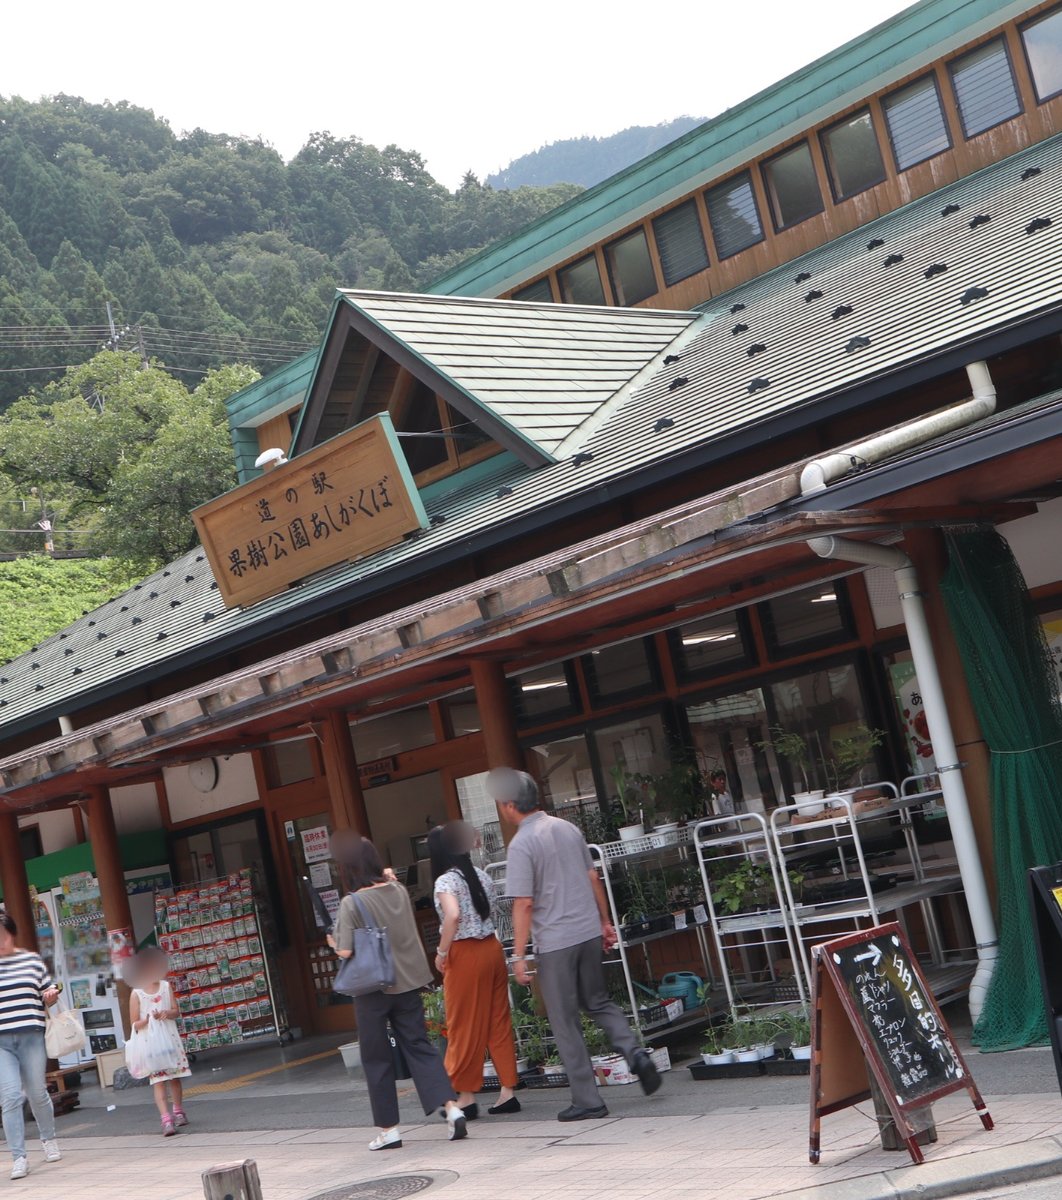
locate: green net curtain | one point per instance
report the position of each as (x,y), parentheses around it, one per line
(1014,689)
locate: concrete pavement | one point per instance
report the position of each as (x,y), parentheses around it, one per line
(296,1112)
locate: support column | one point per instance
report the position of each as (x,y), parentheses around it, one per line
(927,550)
(499,725)
(341,772)
(16,885)
(114,899)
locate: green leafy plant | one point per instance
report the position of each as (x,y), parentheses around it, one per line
(434,1014)
(849,755)
(596,1042)
(795,1024)
(790,746)
(715,1039)
(629,793)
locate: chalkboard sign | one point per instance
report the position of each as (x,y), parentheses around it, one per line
(899,1016)
(874,1012)
(1045,896)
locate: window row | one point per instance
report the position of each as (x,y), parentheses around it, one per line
(986,94)
(722,644)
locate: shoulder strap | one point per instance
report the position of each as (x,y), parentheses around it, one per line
(363,911)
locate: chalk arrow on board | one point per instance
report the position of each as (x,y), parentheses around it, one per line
(874,954)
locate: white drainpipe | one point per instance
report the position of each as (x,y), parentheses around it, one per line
(817,476)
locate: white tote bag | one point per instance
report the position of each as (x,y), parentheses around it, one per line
(63,1034)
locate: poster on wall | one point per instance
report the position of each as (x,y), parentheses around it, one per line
(320,875)
(81,993)
(315,844)
(912,718)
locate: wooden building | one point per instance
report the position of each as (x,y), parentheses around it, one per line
(606,552)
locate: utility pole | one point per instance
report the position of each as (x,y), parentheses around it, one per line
(44,524)
(143,349)
(112,343)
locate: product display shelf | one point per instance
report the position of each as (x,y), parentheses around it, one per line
(612,858)
(219,941)
(843,832)
(758,950)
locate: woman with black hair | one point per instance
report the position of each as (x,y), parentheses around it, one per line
(388,907)
(472,963)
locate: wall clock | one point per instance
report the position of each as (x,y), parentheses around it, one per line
(204,774)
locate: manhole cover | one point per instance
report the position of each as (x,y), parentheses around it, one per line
(390,1187)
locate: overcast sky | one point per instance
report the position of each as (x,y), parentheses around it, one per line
(470,84)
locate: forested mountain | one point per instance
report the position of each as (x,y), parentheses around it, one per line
(210,248)
(588,160)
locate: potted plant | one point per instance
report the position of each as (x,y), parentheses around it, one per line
(794,749)
(761,1030)
(748,888)
(795,1024)
(738,1040)
(714,1051)
(851,755)
(435,1017)
(629,795)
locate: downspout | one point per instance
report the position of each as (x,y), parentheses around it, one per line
(816,477)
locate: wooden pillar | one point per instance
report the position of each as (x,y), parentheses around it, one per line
(341,773)
(499,725)
(114,899)
(16,886)
(927,550)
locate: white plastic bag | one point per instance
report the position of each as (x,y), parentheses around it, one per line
(152,1049)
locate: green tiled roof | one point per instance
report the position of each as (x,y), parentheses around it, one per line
(871,329)
(544,369)
(897,47)
(279,391)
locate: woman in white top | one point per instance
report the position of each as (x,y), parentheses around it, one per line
(475,979)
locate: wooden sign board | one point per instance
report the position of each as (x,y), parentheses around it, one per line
(874,1017)
(342,500)
(1045,896)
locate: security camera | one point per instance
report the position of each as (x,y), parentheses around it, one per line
(269,459)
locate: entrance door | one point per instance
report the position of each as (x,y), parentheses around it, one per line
(318,890)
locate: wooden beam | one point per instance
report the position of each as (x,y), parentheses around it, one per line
(16,885)
(364,379)
(114,899)
(341,773)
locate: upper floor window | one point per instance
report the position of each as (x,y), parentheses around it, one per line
(917,128)
(806,619)
(853,156)
(625,669)
(734,216)
(544,693)
(630,268)
(680,243)
(580,283)
(792,186)
(712,645)
(1043,47)
(984,88)
(541,291)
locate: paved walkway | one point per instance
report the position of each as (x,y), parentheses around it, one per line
(306,1125)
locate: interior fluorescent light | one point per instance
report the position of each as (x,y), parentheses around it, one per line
(696,639)
(543,685)
(825,598)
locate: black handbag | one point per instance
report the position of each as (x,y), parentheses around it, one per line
(371,967)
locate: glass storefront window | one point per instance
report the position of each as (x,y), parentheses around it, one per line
(395,733)
(727,733)
(400,815)
(712,643)
(621,670)
(288,762)
(639,746)
(812,616)
(544,692)
(565,773)
(463,713)
(823,707)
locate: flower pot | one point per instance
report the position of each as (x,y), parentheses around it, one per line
(718,1060)
(766,1049)
(803,1052)
(665,834)
(808,803)
(552,1069)
(521,1065)
(631,833)
(747,1054)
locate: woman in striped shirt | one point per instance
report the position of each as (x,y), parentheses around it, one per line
(25,990)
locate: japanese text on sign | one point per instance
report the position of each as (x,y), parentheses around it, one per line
(343,499)
(315,844)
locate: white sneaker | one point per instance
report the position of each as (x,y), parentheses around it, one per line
(52,1153)
(20,1168)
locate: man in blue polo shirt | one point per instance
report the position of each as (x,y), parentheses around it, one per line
(560,900)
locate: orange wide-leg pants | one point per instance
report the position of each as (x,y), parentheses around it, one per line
(476,995)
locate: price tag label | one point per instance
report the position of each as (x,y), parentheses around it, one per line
(700,914)
(680,920)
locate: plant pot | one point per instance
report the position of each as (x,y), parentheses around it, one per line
(808,803)
(800,1052)
(631,833)
(718,1060)
(665,835)
(766,1049)
(553,1069)
(521,1065)
(747,1054)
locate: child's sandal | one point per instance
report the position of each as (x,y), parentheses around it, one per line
(179,1117)
(168,1129)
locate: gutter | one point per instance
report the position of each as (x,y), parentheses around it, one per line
(816,477)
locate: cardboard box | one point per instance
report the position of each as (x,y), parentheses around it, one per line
(107,1063)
